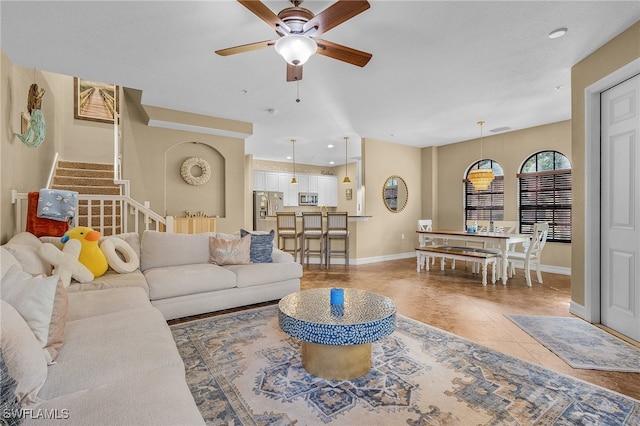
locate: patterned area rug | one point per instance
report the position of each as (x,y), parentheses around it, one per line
(242,370)
(580,344)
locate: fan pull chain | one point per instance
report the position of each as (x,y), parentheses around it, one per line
(298,91)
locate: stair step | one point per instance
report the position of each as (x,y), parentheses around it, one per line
(93,190)
(82,165)
(103,174)
(82,181)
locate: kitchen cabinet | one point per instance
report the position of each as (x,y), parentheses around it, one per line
(272,181)
(259,182)
(328,191)
(289,190)
(303,182)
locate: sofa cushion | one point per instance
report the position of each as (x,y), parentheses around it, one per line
(261,245)
(154,397)
(172,281)
(42,302)
(25,247)
(112,279)
(86,304)
(265,273)
(229,252)
(169,249)
(23,354)
(108,348)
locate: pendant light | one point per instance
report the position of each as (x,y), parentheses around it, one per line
(294,181)
(346,150)
(480,178)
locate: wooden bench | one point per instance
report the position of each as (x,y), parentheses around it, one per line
(469,254)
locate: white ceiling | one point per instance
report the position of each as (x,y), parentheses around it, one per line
(437,68)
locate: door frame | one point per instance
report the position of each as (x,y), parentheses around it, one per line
(591,309)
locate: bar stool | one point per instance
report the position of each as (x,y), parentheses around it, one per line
(312,230)
(337,230)
(287,229)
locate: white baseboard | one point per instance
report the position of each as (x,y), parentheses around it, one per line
(397,256)
(578,310)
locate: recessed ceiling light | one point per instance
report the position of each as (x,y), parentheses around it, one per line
(558,33)
(330,146)
(332,162)
(289,157)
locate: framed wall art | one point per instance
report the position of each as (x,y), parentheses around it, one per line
(95,101)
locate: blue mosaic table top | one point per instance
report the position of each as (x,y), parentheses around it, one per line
(363,318)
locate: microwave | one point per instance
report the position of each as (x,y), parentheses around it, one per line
(307,199)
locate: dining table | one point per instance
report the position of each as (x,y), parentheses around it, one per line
(498,240)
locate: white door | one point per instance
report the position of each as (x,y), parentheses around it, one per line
(620,208)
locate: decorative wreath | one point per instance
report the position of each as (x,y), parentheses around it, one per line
(188,177)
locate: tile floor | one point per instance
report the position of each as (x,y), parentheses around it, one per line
(457,302)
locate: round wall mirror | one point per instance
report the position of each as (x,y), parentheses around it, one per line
(395,194)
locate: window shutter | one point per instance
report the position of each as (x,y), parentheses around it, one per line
(546,197)
(485,205)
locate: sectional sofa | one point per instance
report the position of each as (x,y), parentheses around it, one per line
(115,361)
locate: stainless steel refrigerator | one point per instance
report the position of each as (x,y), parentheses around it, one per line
(265,205)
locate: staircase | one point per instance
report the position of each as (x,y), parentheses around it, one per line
(91,179)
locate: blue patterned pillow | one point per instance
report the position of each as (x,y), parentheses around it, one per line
(261,246)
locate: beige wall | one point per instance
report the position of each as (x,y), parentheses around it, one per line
(152,157)
(23,168)
(620,51)
(381,235)
(510,150)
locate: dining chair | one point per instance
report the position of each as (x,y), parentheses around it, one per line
(425,225)
(337,230)
(312,230)
(532,253)
(508,226)
(287,229)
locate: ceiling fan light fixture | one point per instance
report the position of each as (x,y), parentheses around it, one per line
(296,49)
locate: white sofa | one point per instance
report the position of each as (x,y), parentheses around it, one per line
(118,363)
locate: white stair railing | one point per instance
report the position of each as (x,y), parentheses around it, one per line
(133,217)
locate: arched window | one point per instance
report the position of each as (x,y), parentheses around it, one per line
(487,204)
(544,186)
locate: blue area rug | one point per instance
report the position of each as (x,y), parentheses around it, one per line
(242,370)
(580,344)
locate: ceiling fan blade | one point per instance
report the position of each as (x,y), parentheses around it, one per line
(263,12)
(343,53)
(245,48)
(294,72)
(335,15)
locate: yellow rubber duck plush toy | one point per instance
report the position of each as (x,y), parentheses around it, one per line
(90,254)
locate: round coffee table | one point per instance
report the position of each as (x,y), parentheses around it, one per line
(336,339)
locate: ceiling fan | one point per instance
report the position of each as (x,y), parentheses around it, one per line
(299,28)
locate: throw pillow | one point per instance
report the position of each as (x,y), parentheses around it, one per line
(66,263)
(121,257)
(23,355)
(229,252)
(25,248)
(9,407)
(261,246)
(42,302)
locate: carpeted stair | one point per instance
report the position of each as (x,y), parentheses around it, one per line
(89,178)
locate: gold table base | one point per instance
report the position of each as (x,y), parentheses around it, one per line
(333,362)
